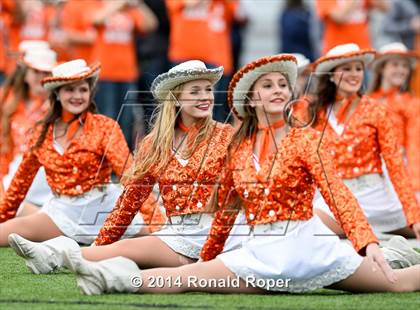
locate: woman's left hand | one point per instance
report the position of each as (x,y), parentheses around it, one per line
(374,254)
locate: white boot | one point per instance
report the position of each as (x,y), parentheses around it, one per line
(42,257)
(117,274)
(399,253)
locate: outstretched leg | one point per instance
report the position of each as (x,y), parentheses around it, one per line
(369,278)
(147,252)
(198,277)
(36,227)
(27,209)
(120,274)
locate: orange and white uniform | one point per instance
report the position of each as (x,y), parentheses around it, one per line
(404,111)
(358,147)
(79,176)
(277,196)
(15,142)
(185,187)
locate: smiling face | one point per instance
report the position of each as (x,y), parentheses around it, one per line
(270,94)
(75,97)
(348,78)
(196,101)
(395,72)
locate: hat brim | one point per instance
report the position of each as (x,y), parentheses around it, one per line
(412,57)
(51,82)
(45,68)
(328,63)
(167,81)
(243,80)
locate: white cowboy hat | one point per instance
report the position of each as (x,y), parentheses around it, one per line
(392,50)
(70,72)
(242,81)
(31,45)
(182,73)
(41,59)
(342,54)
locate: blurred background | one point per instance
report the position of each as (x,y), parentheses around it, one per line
(135,40)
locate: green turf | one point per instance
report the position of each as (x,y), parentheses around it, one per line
(20,289)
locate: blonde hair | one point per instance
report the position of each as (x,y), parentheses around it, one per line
(155,151)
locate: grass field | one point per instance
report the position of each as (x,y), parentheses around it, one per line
(20,289)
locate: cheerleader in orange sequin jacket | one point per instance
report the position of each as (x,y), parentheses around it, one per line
(359,133)
(272,172)
(183,154)
(24,102)
(390,83)
(79,150)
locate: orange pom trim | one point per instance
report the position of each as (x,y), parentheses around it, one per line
(346,55)
(51,79)
(408,54)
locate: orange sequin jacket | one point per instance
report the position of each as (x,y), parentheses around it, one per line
(404,111)
(22,120)
(284,189)
(369,134)
(184,190)
(87,162)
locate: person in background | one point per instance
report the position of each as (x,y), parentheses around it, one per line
(299,30)
(152,55)
(207,24)
(359,132)
(347,21)
(23,103)
(402,22)
(392,71)
(116,24)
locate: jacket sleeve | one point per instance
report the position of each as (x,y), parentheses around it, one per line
(393,157)
(339,198)
(224,217)
(19,186)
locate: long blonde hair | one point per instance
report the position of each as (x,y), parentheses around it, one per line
(155,151)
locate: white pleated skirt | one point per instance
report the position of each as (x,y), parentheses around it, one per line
(186,234)
(378,200)
(39,192)
(292,256)
(81,217)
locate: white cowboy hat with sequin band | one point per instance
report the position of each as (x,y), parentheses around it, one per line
(70,72)
(184,72)
(393,50)
(41,60)
(242,81)
(342,54)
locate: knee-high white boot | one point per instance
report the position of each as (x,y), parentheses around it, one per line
(113,275)
(43,257)
(399,253)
